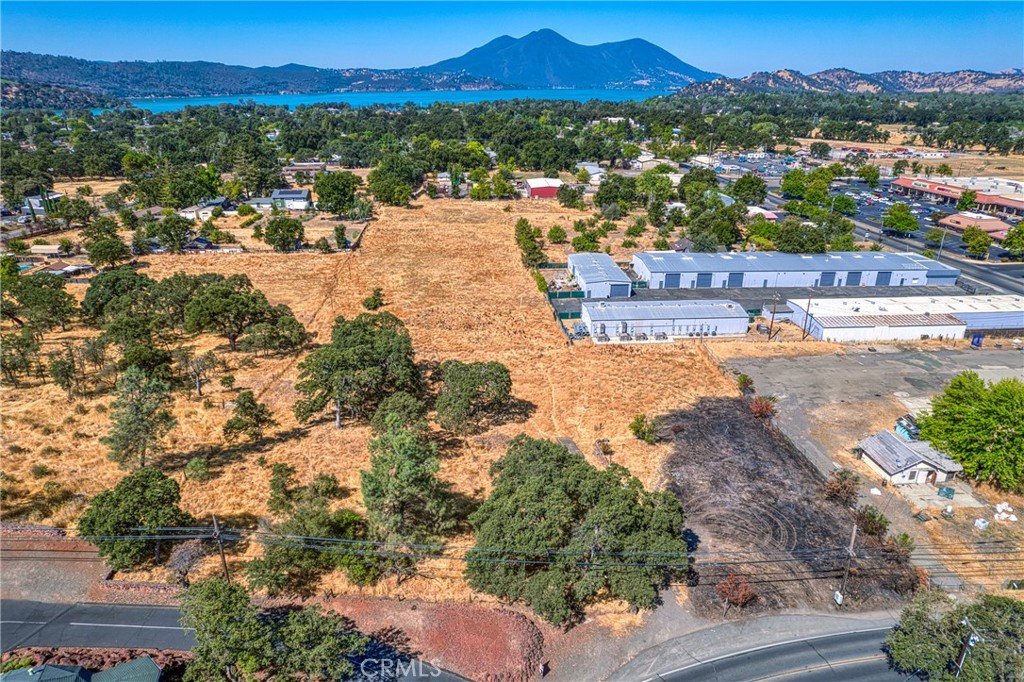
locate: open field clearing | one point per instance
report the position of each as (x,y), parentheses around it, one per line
(451,271)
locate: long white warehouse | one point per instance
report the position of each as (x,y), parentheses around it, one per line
(913,317)
(672,270)
(670,319)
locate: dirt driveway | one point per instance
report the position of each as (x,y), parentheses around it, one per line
(829,402)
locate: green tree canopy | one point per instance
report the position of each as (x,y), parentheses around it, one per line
(227,307)
(144,499)
(469,392)
(981,426)
(173,232)
(750,189)
(237,641)
(406,504)
(284,234)
(933,629)
(290,564)
(139,418)
(1014,240)
(336,192)
(869,174)
(565,527)
(899,219)
(368,358)
(249,418)
(108,252)
(968,199)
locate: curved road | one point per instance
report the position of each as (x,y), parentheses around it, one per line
(851,657)
(32,623)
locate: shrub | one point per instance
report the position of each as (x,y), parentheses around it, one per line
(16,449)
(645,429)
(246,210)
(542,284)
(744,383)
(322,245)
(735,590)
(629,244)
(635,230)
(872,521)
(81,409)
(660,244)
(100,408)
(197,469)
(41,471)
(374,301)
(228,381)
(842,486)
(763,406)
(557,235)
(217,212)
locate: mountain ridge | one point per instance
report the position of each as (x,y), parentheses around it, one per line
(544,58)
(843,80)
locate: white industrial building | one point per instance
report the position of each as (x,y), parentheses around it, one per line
(672,270)
(913,317)
(598,276)
(662,320)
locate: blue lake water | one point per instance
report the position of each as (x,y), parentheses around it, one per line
(419,97)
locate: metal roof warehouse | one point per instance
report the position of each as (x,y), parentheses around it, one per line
(891,319)
(598,276)
(669,269)
(664,318)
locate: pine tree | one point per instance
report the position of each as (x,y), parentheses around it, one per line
(139,419)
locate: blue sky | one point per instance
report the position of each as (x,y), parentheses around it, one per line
(734,38)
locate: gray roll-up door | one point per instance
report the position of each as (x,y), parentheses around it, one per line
(620,291)
(853,279)
(735,280)
(704,280)
(883,279)
(672,280)
(828,279)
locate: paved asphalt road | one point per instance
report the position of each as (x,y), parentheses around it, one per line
(850,657)
(31,623)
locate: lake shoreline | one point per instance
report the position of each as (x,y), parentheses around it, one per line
(397,98)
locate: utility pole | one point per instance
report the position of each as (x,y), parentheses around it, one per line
(941,242)
(807,318)
(969,642)
(841,594)
(220,547)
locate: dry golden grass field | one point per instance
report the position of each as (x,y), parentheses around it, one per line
(451,271)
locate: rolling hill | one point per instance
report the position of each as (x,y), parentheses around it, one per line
(845,80)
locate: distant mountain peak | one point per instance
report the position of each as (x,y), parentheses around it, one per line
(546,59)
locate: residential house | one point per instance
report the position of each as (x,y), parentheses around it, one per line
(204,209)
(39,204)
(310,168)
(902,462)
(291,199)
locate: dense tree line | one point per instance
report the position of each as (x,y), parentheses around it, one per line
(174,148)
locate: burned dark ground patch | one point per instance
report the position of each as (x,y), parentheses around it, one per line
(756,507)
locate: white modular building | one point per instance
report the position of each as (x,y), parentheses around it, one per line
(673,270)
(598,276)
(913,317)
(663,320)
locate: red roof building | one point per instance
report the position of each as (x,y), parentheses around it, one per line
(994,203)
